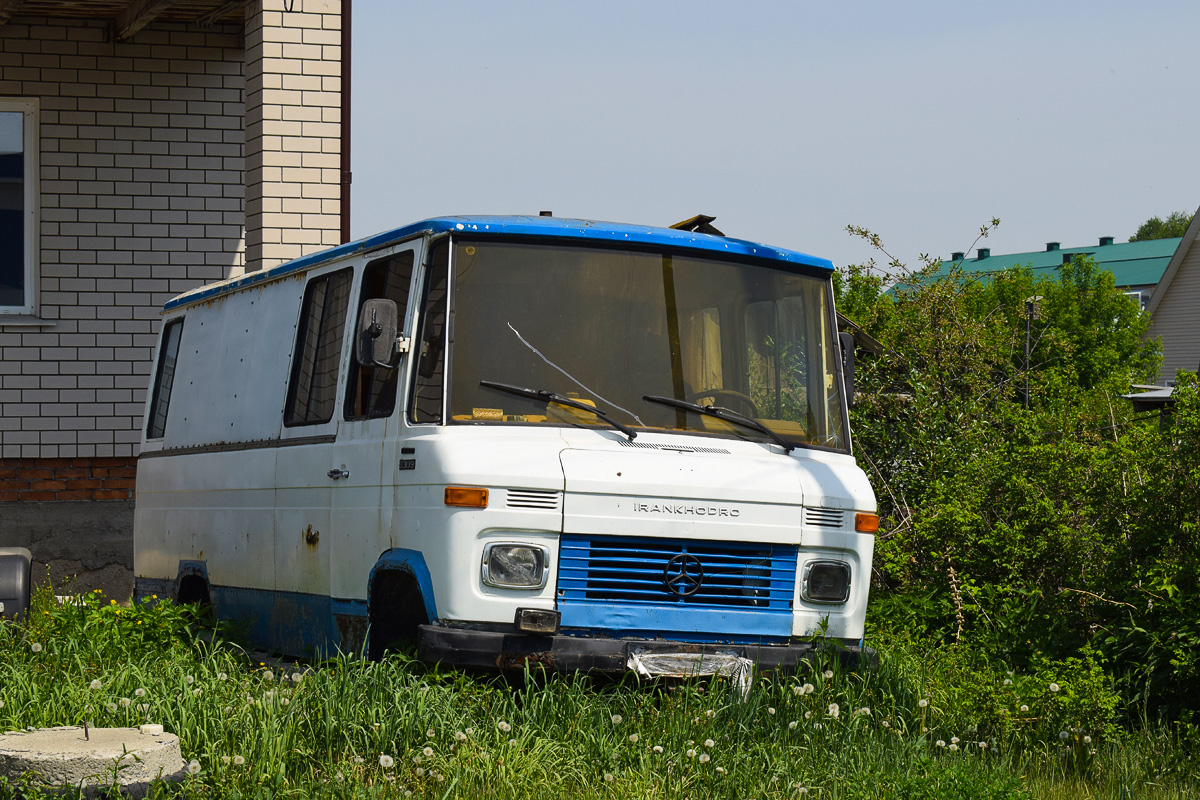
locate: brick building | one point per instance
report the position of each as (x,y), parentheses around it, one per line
(145,148)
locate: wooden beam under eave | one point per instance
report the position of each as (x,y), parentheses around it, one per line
(8,8)
(137,15)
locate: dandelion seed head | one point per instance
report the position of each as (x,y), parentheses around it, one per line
(297,677)
(608,777)
(953,747)
(1008,681)
(616,719)
(834,710)
(460,736)
(828,674)
(222,676)
(386,761)
(268,676)
(95,684)
(428,751)
(1054,687)
(504,726)
(358,759)
(238,760)
(1087,740)
(720,770)
(923,702)
(770,711)
(225,760)
(283,701)
(143,707)
(809,688)
(193,767)
(704,757)
(690,753)
(709,743)
(792,725)
(1024,709)
(954,740)
(36,647)
(110,708)
(512,742)
(863,712)
(633,738)
(197,691)
(189,679)
(470,731)
(797,690)
(657,748)
(1063,735)
(429,734)
(420,771)
(139,692)
(807,714)
(125,702)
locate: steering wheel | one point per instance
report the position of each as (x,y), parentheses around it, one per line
(742,404)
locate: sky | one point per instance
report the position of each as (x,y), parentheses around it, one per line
(788,121)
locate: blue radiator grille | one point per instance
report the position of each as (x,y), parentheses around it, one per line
(634,571)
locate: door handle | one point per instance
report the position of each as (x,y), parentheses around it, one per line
(339,473)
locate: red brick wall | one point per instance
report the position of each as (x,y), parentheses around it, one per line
(67,479)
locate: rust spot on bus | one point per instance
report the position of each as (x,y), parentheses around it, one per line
(311,536)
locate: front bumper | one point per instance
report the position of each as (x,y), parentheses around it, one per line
(465,647)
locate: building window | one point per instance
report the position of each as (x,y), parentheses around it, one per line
(18,205)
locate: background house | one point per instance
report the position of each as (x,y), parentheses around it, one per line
(145,148)
(1137,267)
(1175,308)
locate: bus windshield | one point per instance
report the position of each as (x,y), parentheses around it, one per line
(607,327)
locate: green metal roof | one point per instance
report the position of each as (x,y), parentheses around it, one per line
(1131,263)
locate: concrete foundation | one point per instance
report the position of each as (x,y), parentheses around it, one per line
(65,757)
(77,546)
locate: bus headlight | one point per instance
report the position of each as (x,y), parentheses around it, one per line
(826,582)
(508,565)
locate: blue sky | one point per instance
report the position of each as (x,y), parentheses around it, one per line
(786,120)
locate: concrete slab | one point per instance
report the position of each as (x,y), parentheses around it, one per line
(64,757)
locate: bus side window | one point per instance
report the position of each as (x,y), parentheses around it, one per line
(312,391)
(164,378)
(429,376)
(371,390)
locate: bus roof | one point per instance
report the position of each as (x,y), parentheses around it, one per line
(539,227)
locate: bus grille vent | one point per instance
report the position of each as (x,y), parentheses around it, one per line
(533,498)
(675,448)
(640,571)
(825,517)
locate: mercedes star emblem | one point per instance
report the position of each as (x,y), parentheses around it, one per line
(683,575)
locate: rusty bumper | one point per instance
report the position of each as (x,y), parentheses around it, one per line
(464,647)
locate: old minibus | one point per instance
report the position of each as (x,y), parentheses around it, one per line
(513,440)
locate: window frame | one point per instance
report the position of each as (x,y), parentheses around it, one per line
(298,347)
(157,394)
(30,108)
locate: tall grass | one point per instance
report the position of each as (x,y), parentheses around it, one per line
(356,729)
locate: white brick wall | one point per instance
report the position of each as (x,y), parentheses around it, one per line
(293,129)
(141,198)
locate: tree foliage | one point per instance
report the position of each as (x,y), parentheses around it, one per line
(1068,523)
(1176,224)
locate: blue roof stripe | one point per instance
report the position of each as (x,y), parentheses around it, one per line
(546,227)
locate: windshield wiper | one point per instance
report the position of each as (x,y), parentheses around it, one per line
(724,414)
(553,397)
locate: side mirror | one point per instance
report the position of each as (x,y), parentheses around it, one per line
(847,342)
(378,324)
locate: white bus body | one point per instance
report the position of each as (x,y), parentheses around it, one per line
(532,476)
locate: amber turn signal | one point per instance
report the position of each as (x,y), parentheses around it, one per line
(466,497)
(863,523)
